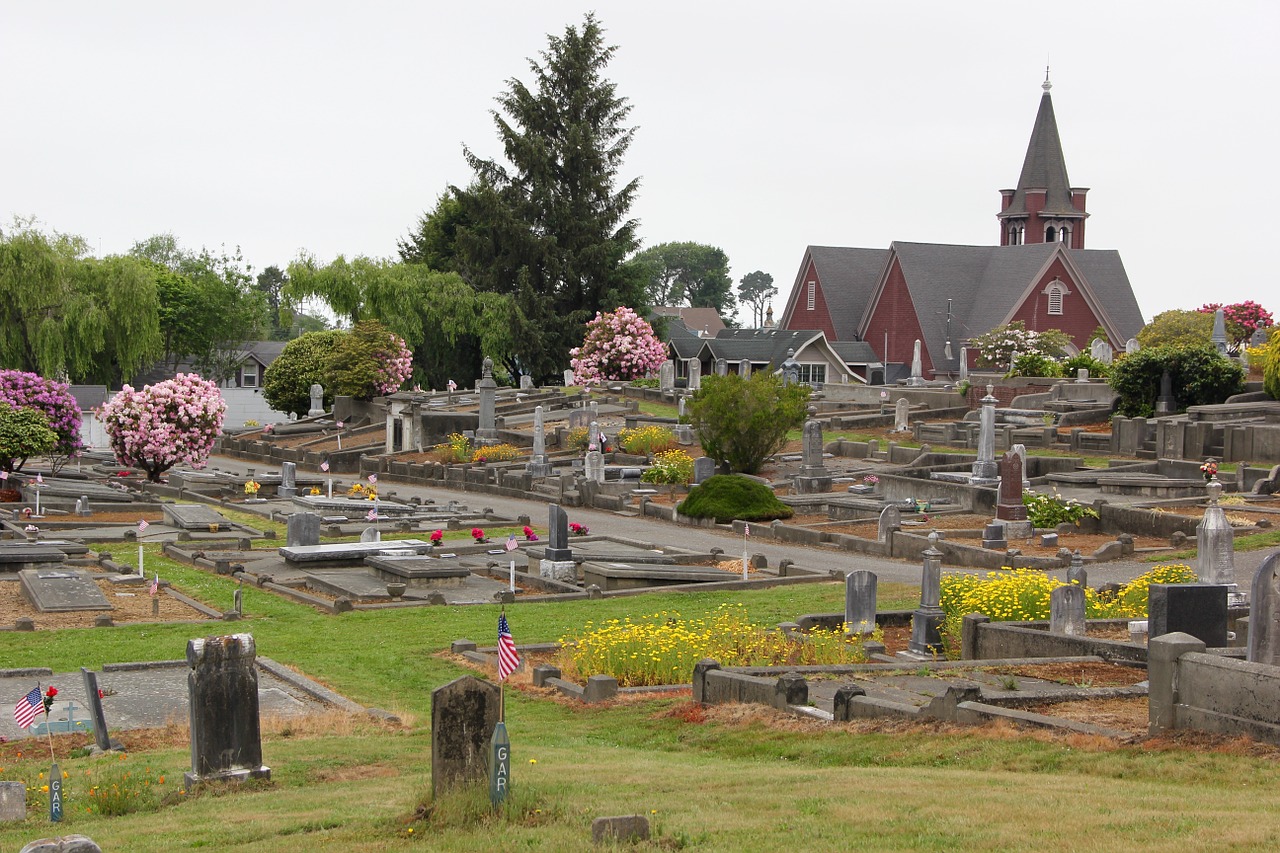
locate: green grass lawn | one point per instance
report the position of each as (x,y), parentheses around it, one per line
(723,783)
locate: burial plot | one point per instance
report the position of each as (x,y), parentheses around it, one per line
(196,517)
(52,591)
(351,507)
(15,557)
(338,554)
(611,576)
(417,571)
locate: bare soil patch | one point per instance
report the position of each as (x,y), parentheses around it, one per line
(129,604)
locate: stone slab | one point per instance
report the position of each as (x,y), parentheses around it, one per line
(61,591)
(348,552)
(416,570)
(15,557)
(195,517)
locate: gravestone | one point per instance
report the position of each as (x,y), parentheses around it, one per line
(790,369)
(487,428)
(593,433)
(1131,346)
(993,537)
(82,505)
(13,801)
(222,687)
(464,714)
(1021,450)
(1101,351)
(695,375)
(1082,375)
(926,639)
(317,401)
(984,468)
(722,367)
(302,528)
(703,467)
(964,364)
(568,378)
(538,465)
(288,479)
(744,368)
(370,534)
(194,517)
(1009,506)
(557,558)
(901,415)
(593,466)
(62,590)
(1166,403)
(917,371)
(1219,338)
(1066,611)
(1197,609)
(667,376)
(526,382)
(1259,336)
(96,714)
(814,476)
(1264,613)
(1215,542)
(1076,572)
(860,602)
(890,520)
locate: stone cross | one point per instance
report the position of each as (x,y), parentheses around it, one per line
(464,714)
(667,376)
(1264,613)
(901,410)
(890,520)
(1066,611)
(964,364)
(317,401)
(984,467)
(1215,542)
(860,602)
(288,479)
(222,683)
(926,640)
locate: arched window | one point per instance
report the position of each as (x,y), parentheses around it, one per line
(1064,236)
(1055,292)
(1050,234)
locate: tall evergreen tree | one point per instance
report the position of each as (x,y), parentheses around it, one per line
(548,226)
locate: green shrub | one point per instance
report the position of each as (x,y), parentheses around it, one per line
(745,421)
(646,382)
(672,467)
(1199,375)
(646,440)
(1084,360)
(1034,364)
(286,385)
(1052,510)
(725,497)
(24,433)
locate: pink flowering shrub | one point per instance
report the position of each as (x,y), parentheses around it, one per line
(171,422)
(32,391)
(619,345)
(397,367)
(367,362)
(1242,318)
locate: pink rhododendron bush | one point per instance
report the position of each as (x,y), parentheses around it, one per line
(164,424)
(619,345)
(32,391)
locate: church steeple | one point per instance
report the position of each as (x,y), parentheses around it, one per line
(1045,208)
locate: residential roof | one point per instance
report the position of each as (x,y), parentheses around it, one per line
(1044,168)
(771,346)
(704,320)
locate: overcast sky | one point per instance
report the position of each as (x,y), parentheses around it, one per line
(763,126)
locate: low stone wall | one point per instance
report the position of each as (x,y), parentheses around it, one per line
(982,639)
(1193,690)
(1113,518)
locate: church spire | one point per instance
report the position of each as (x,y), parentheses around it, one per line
(1044,208)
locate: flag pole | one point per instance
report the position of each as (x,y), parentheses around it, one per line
(48,730)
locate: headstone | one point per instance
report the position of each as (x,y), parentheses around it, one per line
(667,376)
(1264,613)
(222,687)
(288,479)
(1009,506)
(1166,403)
(526,382)
(593,434)
(593,466)
(1021,451)
(1049,540)
(926,639)
(695,374)
(62,590)
(811,447)
(790,369)
(964,364)
(96,714)
(193,517)
(860,602)
(703,467)
(538,465)
(13,801)
(901,415)
(370,534)
(1260,336)
(744,368)
(1193,608)
(1215,542)
(993,537)
(63,844)
(917,371)
(890,520)
(1082,374)
(1101,351)
(681,407)
(557,534)
(1131,346)
(82,505)
(1219,338)
(568,378)
(317,401)
(487,428)
(984,469)
(302,528)
(722,367)
(620,829)
(1066,611)
(464,714)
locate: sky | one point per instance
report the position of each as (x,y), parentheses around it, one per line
(764,127)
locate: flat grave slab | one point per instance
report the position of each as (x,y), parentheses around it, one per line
(18,556)
(416,571)
(195,517)
(59,591)
(351,507)
(348,552)
(363,585)
(610,576)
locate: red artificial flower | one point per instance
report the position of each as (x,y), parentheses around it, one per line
(51,692)
(436,536)
(477,533)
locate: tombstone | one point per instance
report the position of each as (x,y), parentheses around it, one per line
(1260,336)
(790,369)
(568,378)
(993,538)
(59,590)
(557,558)
(811,447)
(703,467)
(1264,613)
(681,407)
(538,464)
(317,400)
(82,505)
(926,640)
(722,367)
(593,466)
(744,368)
(96,714)
(464,714)
(1101,351)
(526,382)
(1197,609)
(964,364)
(901,410)
(1082,374)
(487,429)
(695,375)
(667,376)
(1066,611)
(984,468)
(917,371)
(1219,338)
(13,801)
(593,434)
(1049,540)
(1076,572)
(890,520)
(1166,403)
(222,687)
(860,602)
(288,479)
(370,534)
(1215,542)
(1131,346)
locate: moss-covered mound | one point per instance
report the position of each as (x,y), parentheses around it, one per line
(725,497)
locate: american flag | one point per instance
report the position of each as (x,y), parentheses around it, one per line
(746,530)
(511,542)
(143,525)
(373,479)
(24,713)
(155,585)
(4,475)
(453,386)
(508,657)
(324,466)
(372,515)
(40,479)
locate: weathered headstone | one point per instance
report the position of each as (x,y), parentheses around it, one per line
(926,639)
(744,368)
(317,401)
(993,537)
(790,369)
(1009,506)
(667,376)
(1166,403)
(538,465)
(1197,609)
(1215,542)
(370,534)
(1219,338)
(1082,375)
(695,374)
(557,558)
(13,801)
(82,505)
(984,468)
(1066,611)
(568,378)
(703,467)
(488,389)
(1101,351)
(917,370)
(722,367)
(526,382)
(222,687)
(1021,451)
(901,415)
(464,713)
(302,528)
(593,466)
(96,714)
(860,602)
(1264,613)
(1131,346)
(964,364)
(890,520)
(288,479)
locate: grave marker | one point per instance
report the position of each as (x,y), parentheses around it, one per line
(317,401)
(860,602)
(464,714)
(926,640)
(890,520)
(1066,611)
(222,683)
(667,376)
(703,467)
(901,415)
(1264,613)
(288,479)
(1197,609)
(1215,542)
(984,471)
(964,364)
(917,371)
(302,528)
(1101,351)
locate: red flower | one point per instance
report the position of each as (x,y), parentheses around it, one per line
(477,534)
(436,536)
(51,692)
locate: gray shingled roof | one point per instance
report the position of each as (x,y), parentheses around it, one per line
(848,278)
(772,345)
(1044,168)
(685,343)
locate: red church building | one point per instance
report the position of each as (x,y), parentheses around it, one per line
(1040,273)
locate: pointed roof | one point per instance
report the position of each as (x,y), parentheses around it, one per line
(1044,167)
(848,277)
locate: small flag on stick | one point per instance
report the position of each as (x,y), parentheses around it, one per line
(324,466)
(511,542)
(373,479)
(508,657)
(155,586)
(372,515)
(143,525)
(746,530)
(24,713)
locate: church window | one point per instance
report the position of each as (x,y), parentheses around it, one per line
(1064,236)
(812,294)
(1050,234)
(1055,298)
